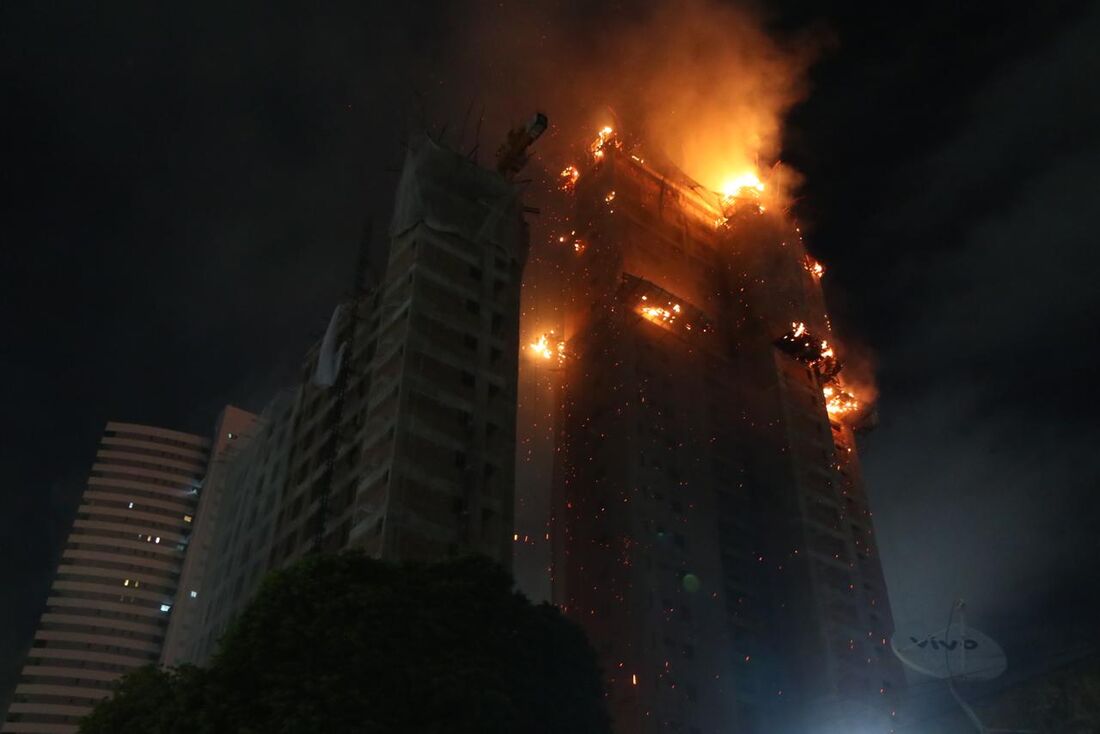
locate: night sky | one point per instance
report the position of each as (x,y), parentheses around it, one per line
(185,186)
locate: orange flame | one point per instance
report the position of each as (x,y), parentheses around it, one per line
(814,268)
(734,187)
(660,314)
(838,401)
(547,347)
(568,176)
(743,189)
(602,138)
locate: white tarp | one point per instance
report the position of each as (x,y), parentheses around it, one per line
(450,193)
(329,357)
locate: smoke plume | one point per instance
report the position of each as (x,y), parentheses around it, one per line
(700,82)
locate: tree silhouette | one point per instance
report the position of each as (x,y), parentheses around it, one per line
(350,644)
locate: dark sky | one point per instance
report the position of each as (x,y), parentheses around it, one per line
(185,185)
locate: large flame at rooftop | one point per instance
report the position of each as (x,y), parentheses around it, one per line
(736,185)
(702,82)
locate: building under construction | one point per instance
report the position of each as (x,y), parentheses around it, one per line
(400,438)
(710,528)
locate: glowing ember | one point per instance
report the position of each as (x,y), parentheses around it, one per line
(798,328)
(660,314)
(610,197)
(578,245)
(656,313)
(548,346)
(814,268)
(568,178)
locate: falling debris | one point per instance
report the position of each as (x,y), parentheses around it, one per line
(568,178)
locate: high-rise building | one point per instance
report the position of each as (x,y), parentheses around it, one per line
(248,487)
(400,437)
(233,426)
(109,604)
(711,531)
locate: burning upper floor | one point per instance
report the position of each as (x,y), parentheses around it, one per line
(740,193)
(728,251)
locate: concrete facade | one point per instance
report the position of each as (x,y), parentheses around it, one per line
(109,605)
(233,430)
(409,452)
(710,527)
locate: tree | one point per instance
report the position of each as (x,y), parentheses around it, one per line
(149,699)
(349,644)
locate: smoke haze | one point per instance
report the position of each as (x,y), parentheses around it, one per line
(701,82)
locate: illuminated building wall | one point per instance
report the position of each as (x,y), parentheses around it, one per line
(710,528)
(109,605)
(232,434)
(237,531)
(409,453)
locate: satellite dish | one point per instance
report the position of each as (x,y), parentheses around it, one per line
(956,652)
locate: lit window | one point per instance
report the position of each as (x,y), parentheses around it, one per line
(231,435)
(126,582)
(165,607)
(131,505)
(157,540)
(187,518)
(194,594)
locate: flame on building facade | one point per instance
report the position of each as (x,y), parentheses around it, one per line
(709,525)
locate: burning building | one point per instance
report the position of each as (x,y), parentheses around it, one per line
(710,528)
